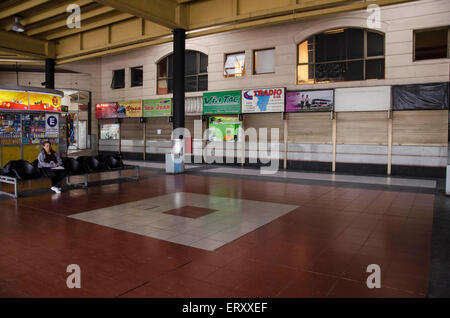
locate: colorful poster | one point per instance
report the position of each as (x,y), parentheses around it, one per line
(13,100)
(310,101)
(109,110)
(228,102)
(110,131)
(44,101)
(224,128)
(157,107)
(51,125)
(132,108)
(264,100)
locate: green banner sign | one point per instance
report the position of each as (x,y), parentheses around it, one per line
(228,102)
(157,107)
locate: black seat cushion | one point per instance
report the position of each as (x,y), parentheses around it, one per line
(92,164)
(75,166)
(114,162)
(66,162)
(7,169)
(24,170)
(35,163)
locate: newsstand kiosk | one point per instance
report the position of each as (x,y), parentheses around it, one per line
(28,116)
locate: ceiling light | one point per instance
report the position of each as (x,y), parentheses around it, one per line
(16,26)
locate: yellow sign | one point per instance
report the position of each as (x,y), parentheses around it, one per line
(13,99)
(43,101)
(132,108)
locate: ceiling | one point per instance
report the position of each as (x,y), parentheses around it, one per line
(110,26)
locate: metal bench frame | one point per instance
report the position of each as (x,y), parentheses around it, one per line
(85,183)
(15,181)
(9,180)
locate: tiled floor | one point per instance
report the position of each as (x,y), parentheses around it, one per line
(218,220)
(154,165)
(410,182)
(319,246)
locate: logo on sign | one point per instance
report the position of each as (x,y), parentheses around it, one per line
(247,96)
(52,121)
(55,100)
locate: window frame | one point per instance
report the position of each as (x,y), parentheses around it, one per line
(430,29)
(112,79)
(364,59)
(131,76)
(254,59)
(168,78)
(225,61)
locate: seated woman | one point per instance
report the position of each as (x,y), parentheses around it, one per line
(49,160)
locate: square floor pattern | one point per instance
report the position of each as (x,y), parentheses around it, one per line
(231,218)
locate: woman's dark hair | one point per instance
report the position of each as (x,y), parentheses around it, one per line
(47,142)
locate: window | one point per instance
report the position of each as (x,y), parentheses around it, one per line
(118,79)
(234,65)
(264,61)
(195,73)
(346,54)
(136,76)
(431,44)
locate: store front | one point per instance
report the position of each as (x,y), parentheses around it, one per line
(108,116)
(222,112)
(29,116)
(75,106)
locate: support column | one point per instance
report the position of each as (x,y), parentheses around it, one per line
(333,140)
(179,36)
(50,73)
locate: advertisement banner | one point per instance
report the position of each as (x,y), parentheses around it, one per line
(132,108)
(109,110)
(51,125)
(224,128)
(110,131)
(45,102)
(17,100)
(157,107)
(310,101)
(228,102)
(264,100)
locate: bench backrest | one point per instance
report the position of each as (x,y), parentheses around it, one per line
(7,169)
(25,170)
(113,162)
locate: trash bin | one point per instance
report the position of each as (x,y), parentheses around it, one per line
(175,159)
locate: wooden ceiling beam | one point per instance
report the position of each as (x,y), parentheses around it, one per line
(50,13)
(22,6)
(25,45)
(163,12)
(62,23)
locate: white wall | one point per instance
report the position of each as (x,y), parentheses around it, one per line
(398,23)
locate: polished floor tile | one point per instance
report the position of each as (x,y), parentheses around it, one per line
(260,239)
(189,218)
(329,177)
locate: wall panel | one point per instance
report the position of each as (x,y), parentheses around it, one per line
(131,129)
(268,121)
(425,127)
(159,123)
(309,128)
(362,128)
